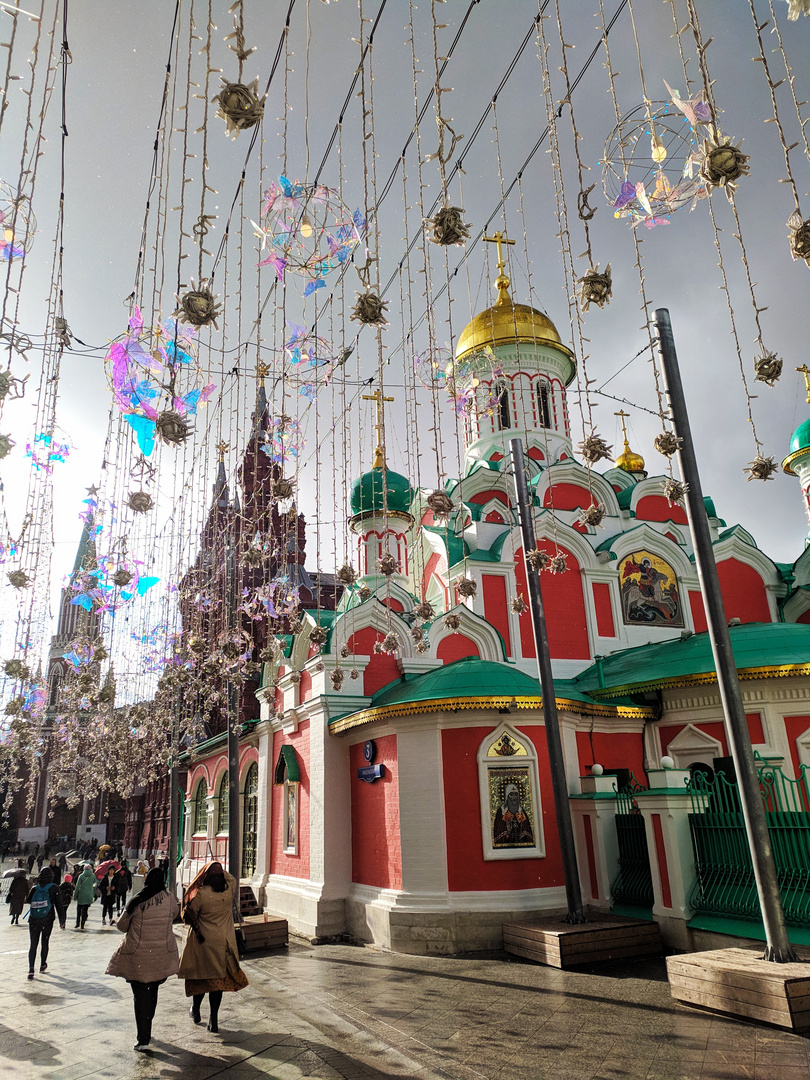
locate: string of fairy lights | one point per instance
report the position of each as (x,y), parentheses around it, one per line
(297,296)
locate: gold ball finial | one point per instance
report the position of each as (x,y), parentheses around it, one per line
(222,449)
(262,371)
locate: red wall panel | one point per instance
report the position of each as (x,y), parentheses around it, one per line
(794,727)
(456,647)
(564,603)
(305,687)
(495,610)
(755,731)
(744,595)
(604,611)
(698,612)
(466,869)
(657,508)
(567,497)
(376,850)
(611,750)
(382,668)
(296,866)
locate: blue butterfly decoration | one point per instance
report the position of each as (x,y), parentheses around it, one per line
(144,584)
(319,283)
(144,429)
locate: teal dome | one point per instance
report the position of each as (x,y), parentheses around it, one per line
(800,439)
(367,492)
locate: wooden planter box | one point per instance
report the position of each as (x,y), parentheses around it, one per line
(740,983)
(261,933)
(604,937)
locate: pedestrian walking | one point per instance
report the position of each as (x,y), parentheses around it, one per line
(31,860)
(84,894)
(107,890)
(210,960)
(148,954)
(56,873)
(66,888)
(44,904)
(122,883)
(17,893)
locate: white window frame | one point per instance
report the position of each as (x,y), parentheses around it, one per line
(491,766)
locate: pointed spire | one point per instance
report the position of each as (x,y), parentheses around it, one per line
(221,482)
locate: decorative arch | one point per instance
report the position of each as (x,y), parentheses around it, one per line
(570,474)
(199,811)
(691,745)
(481,633)
(223,807)
(250,818)
(509,786)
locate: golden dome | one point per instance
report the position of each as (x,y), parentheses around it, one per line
(629,460)
(506,323)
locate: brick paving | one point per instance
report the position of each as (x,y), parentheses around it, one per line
(339,1011)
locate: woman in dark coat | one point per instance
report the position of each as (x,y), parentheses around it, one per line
(148,954)
(107,890)
(16,897)
(210,960)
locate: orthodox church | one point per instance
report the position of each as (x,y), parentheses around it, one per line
(396,784)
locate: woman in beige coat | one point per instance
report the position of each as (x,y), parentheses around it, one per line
(210,960)
(148,954)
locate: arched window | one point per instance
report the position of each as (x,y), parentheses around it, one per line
(201,808)
(250,816)
(502,394)
(543,404)
(223,810)
(511,814)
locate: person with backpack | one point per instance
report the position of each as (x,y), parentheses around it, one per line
(122,883)
(84,894)
(44,904)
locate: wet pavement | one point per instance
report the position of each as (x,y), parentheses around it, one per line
(341,1011)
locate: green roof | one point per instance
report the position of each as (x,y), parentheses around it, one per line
(800,440)
(287,763)
(367,492)
(688,661)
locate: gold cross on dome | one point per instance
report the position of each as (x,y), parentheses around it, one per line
(499,239)
(378,399)
(262,371)
(222,449)
(623,416)
(805,370)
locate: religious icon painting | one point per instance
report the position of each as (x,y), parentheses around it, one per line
(511,823)
(649,591)
(290,817)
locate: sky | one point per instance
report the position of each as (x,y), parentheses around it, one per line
(114,85)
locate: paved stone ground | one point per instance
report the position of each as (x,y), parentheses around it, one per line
(342,1012)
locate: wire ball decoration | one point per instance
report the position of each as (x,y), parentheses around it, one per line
(308,231)
(17,224)
(651,165)
(307,360)
(156,380)
(283,440)
(434,368)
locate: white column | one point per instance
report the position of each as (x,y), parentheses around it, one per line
(264,808)
(594,819)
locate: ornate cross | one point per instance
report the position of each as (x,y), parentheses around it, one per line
(805,370)
(623,416)
(378,399)
(222,449)
(499,239)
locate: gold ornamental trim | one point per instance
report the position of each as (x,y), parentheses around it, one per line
(416,708)
(744,674)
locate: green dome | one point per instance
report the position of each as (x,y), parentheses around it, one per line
(469,677)
(367,492)
(800,439)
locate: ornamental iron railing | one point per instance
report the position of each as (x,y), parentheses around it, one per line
(725,876)
(633,885)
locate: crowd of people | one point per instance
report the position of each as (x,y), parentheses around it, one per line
(149,954)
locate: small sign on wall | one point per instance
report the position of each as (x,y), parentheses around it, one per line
(370,773)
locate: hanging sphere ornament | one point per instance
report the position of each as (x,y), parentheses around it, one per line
(441,504)
(387,565)
(336,677)
(199,307)
(364,592)
(15,706)
(452,622)
(558,564)
(281,489)
(592,515)
(7,444)
(449,227)
(17,224)
(767,368)
(197,645)
(424,611)
(594,448)
(370,310)
(5,383)
(467,587)
(416,634)
(16,669)
(761,468)
(345,651)
(308,231)
(378,648)
(347,574)
(595,288)
(318,636)
(354,674)
(172,428)
(434,367)
(390,644)
(240,106)
(295,676)
(538,560)
(422,646)
(121,578)
(799,237)
(667,443)
(674,490)
(140,501)
(19,579)
(723,164)
(253,557)
(519,605)
(651,163)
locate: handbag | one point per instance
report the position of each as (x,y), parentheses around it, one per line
(241,944)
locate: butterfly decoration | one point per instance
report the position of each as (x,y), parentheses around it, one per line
(283,440)
(44,451)
(696,109)
(8,248)
(627,194)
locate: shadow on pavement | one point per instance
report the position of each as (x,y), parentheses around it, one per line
(23,1048)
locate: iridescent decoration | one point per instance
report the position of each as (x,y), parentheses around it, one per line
(17,224)
(651,165)
(307,230)
(45,450)
(434,367)
(473,383)
(156,381)
(284,440)
(308,363)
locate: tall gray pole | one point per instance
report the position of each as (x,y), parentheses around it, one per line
(778,947)
(565,829)
(232,713)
